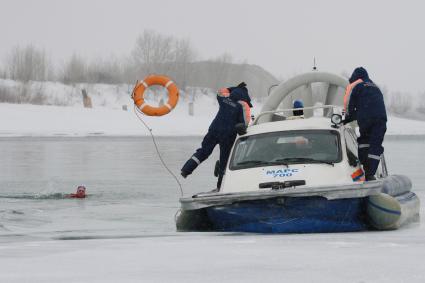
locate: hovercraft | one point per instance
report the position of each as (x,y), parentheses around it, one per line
(301,174)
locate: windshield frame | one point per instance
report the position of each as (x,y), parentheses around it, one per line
(242,138)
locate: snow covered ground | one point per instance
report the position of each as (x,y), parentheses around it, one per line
(30,120)
(33,120)
(64,114)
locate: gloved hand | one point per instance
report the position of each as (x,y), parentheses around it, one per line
(184,174)
(346,121)
(242,84)
(217,168)
(241,129)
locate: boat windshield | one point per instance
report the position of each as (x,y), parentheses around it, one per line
(288,147)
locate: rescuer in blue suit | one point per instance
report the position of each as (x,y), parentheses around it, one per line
(366,105)
(234,108)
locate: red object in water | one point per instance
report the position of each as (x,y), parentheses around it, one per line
(81,192)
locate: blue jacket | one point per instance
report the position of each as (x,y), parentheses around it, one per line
(234,107)
(366,100)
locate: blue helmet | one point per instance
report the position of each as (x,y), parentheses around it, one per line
(298,104)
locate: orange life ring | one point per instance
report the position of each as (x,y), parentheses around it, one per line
(139,90)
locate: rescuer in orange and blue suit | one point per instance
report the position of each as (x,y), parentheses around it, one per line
(364,102)
(234,108)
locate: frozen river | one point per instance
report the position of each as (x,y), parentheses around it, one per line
(125,231)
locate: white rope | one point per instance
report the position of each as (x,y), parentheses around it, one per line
(137,111)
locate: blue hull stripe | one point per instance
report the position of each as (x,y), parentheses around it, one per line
(384,209)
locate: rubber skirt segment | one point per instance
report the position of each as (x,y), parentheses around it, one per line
(194,220)
(280,215)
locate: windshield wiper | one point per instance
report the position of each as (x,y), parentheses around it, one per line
(252,162)
(262,162)
(304,159)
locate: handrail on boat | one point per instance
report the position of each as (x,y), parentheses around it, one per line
(292,109)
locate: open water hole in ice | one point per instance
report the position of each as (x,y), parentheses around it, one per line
(129,192)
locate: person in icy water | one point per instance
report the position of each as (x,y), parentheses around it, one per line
(364,102)
(234,108)
(81,193)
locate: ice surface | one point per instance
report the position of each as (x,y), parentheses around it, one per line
(357,257)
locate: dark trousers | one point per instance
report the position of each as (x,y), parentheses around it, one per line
(370,141)
(225,141)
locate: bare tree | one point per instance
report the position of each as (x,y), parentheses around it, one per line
(152,52)
(130,72)
(161,54)
(421,103)
(3,73)
(102,71)
(400,103)
(28,63)
(220,70)
(75,70)
(385,94)
(184,55)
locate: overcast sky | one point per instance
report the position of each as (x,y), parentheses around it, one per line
(386,37)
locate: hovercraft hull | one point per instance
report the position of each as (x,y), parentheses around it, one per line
(311,210)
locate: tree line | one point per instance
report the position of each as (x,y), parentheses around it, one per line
(161,54)
(152,53)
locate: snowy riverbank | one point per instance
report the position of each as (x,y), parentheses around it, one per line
(32,120)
